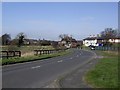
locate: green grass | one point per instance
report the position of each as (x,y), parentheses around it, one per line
(85,47)
(31,58)
(116,45)
(105,73)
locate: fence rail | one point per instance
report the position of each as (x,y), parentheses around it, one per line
(7,54)
(40,52)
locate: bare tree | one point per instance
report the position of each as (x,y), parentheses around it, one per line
(66,37)
(20,37)
(118,33)
(107,34)
(62,36)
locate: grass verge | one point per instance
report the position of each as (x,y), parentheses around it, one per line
(105,73)
(31,58)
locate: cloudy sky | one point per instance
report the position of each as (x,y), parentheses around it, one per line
(49,20)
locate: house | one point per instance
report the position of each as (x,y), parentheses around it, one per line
(79,43)
(68,43)
(98,41)
(91,41)
(65,42)
(114,40)
(74,43)
(30,42)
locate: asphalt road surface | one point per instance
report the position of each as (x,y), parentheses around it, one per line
(38,74)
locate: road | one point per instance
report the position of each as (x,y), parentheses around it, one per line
(38,74)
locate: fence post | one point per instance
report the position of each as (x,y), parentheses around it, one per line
(19,53)
(7,54)
(13,53)
(34,52)
(118,49)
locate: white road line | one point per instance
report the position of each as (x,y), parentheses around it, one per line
(71,58)
(91,63)
(77,56)
(35,67)
(46,86)
(60,61)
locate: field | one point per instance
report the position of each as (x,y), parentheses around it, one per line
(26,50)
(105,73)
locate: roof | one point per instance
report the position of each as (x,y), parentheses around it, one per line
(90,38)
(98,38)
(69,40)
(31,40)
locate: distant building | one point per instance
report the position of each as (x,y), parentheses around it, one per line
(90,41)
(65,42)
(68,43)
(80,42)
(114,40)
(30,42)
(74,43)
(98,41)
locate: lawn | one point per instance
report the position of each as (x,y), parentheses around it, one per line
(105,73)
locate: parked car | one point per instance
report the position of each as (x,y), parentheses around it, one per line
(92,47)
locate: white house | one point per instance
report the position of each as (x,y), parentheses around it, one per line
(94,41)
(114,40)
(90,41)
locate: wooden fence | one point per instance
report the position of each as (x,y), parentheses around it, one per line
(7,54)
(40,52)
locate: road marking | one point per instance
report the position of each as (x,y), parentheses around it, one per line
(60,61)
(71,58)
(55,80)
(90,63)
(46,86)
(77,56)
(35,67)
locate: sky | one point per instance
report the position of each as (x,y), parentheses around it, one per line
(48,20)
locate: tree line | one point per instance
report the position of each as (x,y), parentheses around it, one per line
(107,34)
(20,39)
(6,39)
